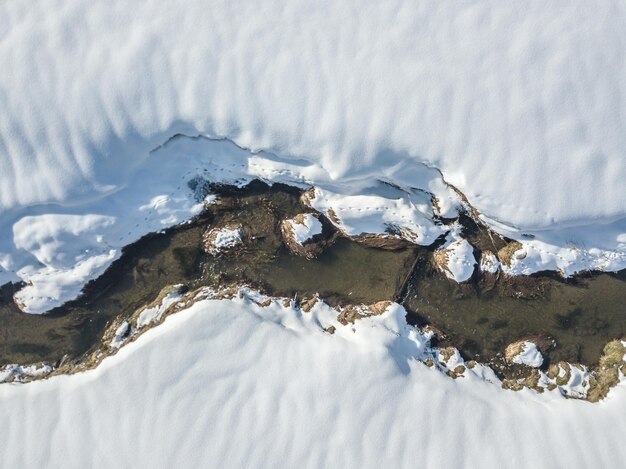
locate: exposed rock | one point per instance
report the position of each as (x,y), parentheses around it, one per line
(531,381)
(303,235)
(446,353)
(607,374)
(387,241)
(524,352)
(306,304)
(459,370)
(489,262)
(513,249)
(352,313)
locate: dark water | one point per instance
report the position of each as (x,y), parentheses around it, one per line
(135,279)
(480,318)
(580,315)
(345,273)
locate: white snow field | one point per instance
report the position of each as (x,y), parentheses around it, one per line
(231,384)
(519,105)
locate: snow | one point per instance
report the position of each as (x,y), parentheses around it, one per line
(502,101)
(120,335)
(69,251)
(153,314)
(456,257)
(461,261)
(489,262)
(376,103)
(226,238)
(309,227)
(519,106)
(379,209)
(232,384)
(529,356)
(166,190)
(17,372)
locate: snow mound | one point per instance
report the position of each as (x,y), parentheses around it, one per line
(456,257)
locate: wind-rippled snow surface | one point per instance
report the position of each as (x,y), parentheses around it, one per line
(521,105)
(231,384)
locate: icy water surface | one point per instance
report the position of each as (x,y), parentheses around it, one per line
(480,317)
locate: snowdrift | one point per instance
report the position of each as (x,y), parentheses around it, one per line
(228,383)
(519,105)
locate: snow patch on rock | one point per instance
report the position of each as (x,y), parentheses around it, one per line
(379,209)
(489,262)
(121,333)
(222,239)
(456,257)
(529,355)
(305,228)
(153,313)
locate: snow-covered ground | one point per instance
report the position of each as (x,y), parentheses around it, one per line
(232,384)
(519,106)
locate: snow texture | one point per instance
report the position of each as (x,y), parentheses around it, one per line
(456,257)
(231,384)
(226,238)
(519,105)
(304,231)
(529,356)
(153,314)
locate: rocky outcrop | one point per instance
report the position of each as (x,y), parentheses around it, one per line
(352,313)
(456,260)
(304,235)
(524,352)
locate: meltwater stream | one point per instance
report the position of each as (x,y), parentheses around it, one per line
(480,318)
